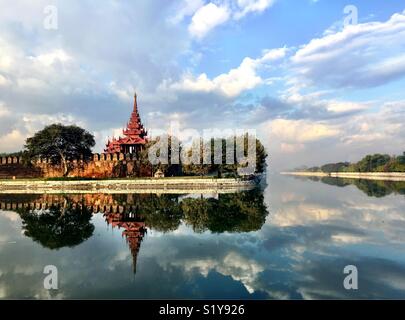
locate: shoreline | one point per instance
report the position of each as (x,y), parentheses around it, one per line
(154,185)
(384,176)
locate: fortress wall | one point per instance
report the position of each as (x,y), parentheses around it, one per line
(100,166)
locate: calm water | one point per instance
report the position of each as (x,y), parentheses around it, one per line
(290,240)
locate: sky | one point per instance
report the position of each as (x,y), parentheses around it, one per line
(320,81)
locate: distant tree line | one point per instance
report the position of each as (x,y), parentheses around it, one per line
(370,163)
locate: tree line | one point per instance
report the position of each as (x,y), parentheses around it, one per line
(370,163)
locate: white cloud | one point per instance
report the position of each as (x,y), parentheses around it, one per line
(4,81)
(49,58)
(291,147)
(3,110)
(387,124)
(344,106)
(301,130)
(187,8)
(237,80)
(362,55)
(247,6)
(11,141)
(207,18)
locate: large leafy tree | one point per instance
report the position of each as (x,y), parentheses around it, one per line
(60,144)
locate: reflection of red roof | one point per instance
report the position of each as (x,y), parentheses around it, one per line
(133,232)
(134,134)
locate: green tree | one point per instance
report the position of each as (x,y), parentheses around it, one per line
(335,167)
(170,168)
(60,144)
(370,162)
(228,169)
(401,159)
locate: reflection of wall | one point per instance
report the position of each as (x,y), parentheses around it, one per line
(104,203)
(101,166)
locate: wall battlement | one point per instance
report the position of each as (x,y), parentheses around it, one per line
(10,160)
(100,165)
(95,157)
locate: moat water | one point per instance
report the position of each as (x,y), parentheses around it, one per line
(290,239)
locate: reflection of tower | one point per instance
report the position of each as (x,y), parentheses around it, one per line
(134,231)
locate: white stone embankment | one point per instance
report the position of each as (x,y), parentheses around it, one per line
(163,185)
(387,176)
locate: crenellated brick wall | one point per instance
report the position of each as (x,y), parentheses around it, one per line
(101,166)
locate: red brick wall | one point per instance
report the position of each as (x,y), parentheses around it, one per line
(102,166)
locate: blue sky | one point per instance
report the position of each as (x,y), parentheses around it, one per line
(315,89)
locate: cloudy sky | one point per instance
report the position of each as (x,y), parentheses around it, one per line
(318,82)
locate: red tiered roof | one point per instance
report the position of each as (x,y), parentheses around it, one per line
(135,135)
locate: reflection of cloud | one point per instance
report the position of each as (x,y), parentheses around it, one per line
(233,264)
(289,197)
(378,278)
(10,215)
(304,214)
(347,238)
(3,293)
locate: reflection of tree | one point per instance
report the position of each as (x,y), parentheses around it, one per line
(239,212)
(58,227)
(373,188)
(160,212)
(58,221)
(335,181)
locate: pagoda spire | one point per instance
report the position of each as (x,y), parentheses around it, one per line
(135,135)
(135,103)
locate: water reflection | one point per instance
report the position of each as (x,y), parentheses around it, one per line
(373,188)
(57,221)
(291,240)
